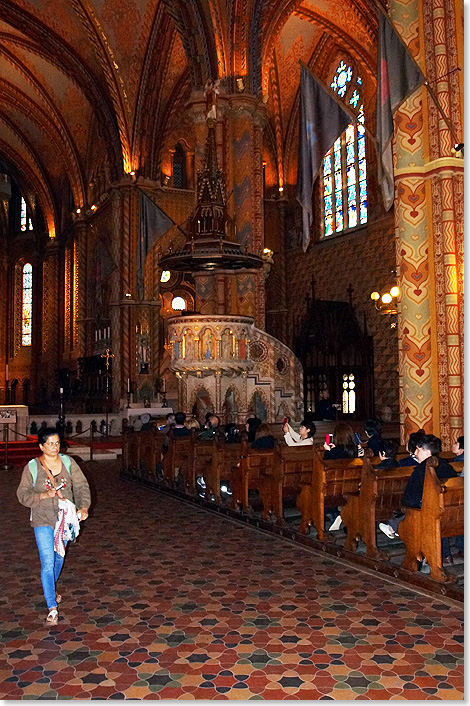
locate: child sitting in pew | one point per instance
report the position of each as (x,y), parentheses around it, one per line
(457,449)
(412,459)
(388,454)
(428,445)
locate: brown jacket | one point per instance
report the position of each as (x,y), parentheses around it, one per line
(44,512)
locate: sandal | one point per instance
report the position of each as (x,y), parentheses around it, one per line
(58,598)
(52,617)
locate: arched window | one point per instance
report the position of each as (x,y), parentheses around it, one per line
(349,394)
(179,168)
(27,305)
(344,167)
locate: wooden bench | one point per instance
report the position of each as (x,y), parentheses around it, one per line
(441,515)
(141,452)
(380,495)
(258,471)
(224,466)
(179,457)
(332,482)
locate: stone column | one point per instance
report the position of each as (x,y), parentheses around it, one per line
(429,227)
(51,320)
(246,118)
(81,337)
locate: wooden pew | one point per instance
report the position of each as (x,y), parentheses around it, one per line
(259,470)
(441,515)
(141,452)
(379,496)
(201,462)
(224,466)
(179,457)
(332,482)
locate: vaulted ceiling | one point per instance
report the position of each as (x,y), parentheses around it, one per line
(80,79)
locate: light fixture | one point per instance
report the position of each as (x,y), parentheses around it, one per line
(93,208)
(178,304)
(165,276)
(128,295)
(79,210)
(240,85)
(386,302)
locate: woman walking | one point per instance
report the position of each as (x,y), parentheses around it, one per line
(50,485)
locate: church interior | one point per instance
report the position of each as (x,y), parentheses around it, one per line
(154,258)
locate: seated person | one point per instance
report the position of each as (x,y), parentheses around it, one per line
(180,429)
(252,424)
(303,438)
(388,454)
(325,409)
(344,444)
(428,445)
(264,437)
(192,423)
(373,430)
(232,433)
(457,449)
(412,459)
(212,429)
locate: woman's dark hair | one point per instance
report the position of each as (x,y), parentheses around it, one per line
(264,429)
(252,424)
(44,434)
(180,418)
(373,426)
(308,424)
(415,436)
(389,448)
(343,438)
(430,443)
(460,442)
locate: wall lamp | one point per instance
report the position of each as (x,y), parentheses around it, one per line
(386,302)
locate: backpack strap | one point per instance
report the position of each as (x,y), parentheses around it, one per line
(33,467)
(67,462)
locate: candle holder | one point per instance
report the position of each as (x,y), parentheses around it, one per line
(128,399)
(164,404)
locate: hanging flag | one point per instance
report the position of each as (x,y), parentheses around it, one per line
(322,121)
(398,75)
(153,224)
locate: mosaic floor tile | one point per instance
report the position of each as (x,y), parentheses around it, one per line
(179,603)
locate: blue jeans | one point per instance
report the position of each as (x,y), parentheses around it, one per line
(51,563)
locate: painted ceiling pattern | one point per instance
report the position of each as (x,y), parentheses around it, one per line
(75,70)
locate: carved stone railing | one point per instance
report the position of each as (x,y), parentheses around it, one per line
(216,344)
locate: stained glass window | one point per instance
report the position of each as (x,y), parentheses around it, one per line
(25,221)
(344,167)
(23,214)
(349,394)
(27,305)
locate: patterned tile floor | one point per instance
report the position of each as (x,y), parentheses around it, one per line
(163,600)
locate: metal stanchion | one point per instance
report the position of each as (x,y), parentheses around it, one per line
(5,466)
(92,434)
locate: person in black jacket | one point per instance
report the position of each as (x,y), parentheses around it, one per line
(428,445)
(388,454)
(373,430)
(264,437)
(412,460)
(344,444)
